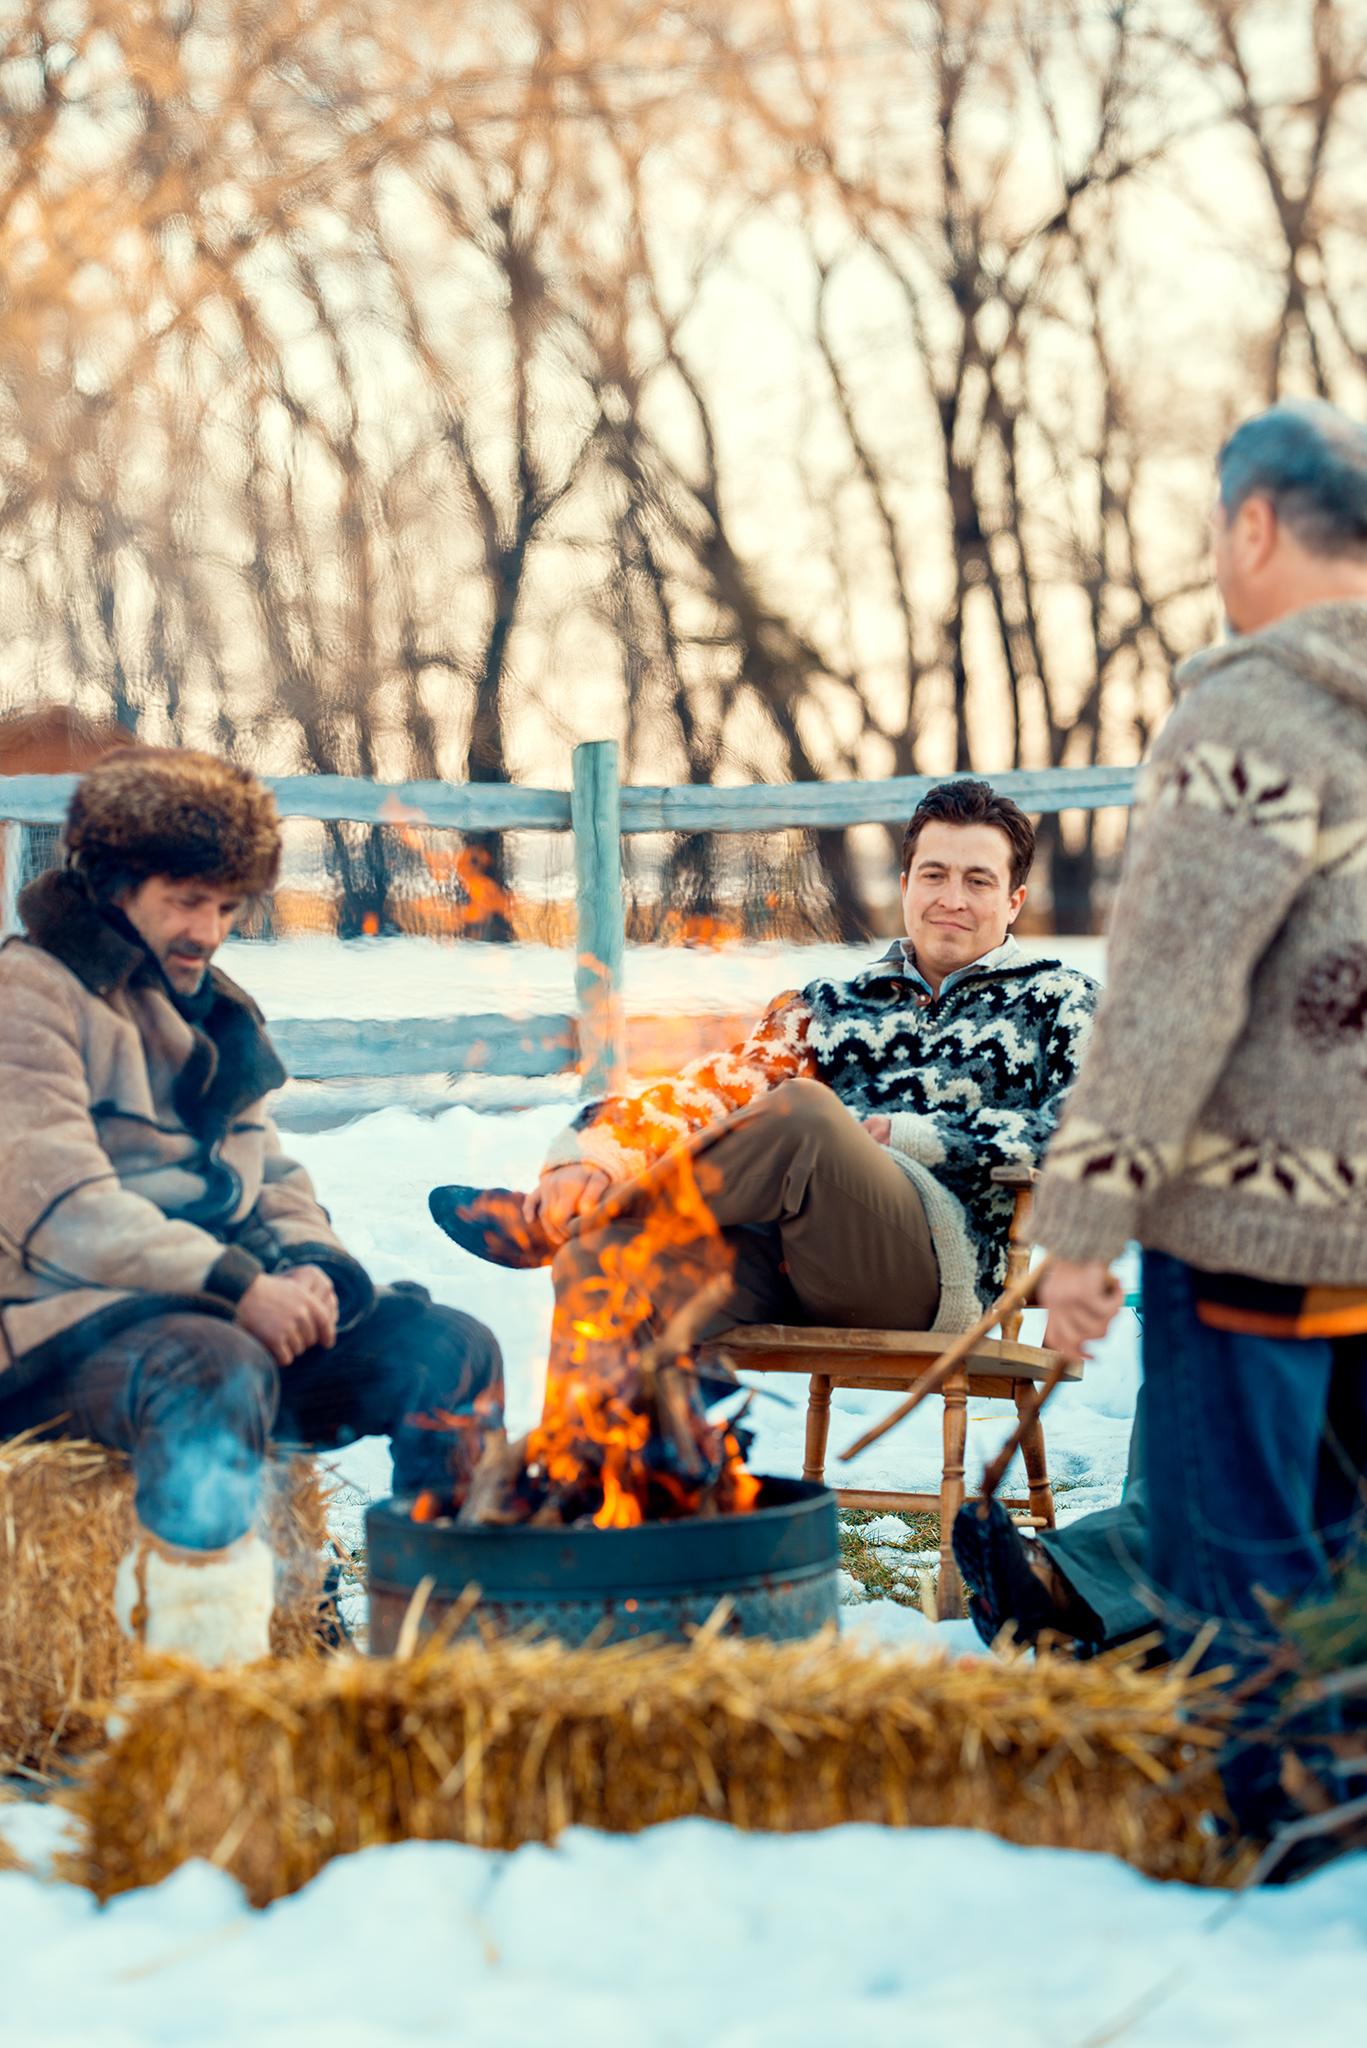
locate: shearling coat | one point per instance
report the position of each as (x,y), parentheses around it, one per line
(139,1170)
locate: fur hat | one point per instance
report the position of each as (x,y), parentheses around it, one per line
(168,811)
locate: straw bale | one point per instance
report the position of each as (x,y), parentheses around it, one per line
(66,1518)
(8,1859)
(270,1772)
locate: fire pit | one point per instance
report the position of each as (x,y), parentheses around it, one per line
(777,1564)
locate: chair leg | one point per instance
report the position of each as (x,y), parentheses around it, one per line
(818,1426)
(950,1603)
(1036,1463)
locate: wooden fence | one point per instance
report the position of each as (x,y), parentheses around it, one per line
(598,810)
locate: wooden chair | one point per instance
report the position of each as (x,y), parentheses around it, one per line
(892,1361)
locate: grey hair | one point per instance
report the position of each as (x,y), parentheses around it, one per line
(1309,460)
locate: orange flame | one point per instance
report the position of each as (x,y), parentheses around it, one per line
(592,1430)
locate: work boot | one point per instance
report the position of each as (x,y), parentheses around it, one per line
(1013,1582)
(212,1605)
(489,1222)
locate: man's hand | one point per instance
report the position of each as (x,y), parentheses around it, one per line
(1081,1301)
(288,1312)
(320,1287)
(561,1194)
(879,1129)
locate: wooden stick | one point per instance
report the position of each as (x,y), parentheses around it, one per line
(1016,1296)
(684,1327)
(995,1471)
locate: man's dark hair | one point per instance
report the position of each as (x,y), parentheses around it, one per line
(1309,460)
(969,802)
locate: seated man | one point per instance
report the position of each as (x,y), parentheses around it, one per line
(845,1150)
(169,1284)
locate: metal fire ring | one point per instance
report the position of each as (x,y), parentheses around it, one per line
(777,1564)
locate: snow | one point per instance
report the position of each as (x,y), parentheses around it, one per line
(690,1933)
(415,977)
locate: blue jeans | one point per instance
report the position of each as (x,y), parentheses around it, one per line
(1255,1462)
(192,1399)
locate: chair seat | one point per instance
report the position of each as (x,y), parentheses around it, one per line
(895,1357)
(894,1360)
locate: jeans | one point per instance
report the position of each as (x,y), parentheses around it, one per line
(1255,1459)
(193,1399)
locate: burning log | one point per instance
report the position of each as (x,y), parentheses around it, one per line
(624,1438)
(645,1452)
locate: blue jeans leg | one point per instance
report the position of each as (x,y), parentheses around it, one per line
(1232,1463)
(1251,1495)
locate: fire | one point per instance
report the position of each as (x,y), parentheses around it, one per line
(624,1435)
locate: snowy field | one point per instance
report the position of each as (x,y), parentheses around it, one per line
(691,1934)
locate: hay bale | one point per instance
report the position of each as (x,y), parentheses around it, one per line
(272,1771)
(8,1859)
(66,1518)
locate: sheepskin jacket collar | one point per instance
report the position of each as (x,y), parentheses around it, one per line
(233,1062)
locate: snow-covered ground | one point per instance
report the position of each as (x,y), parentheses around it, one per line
(690,1934)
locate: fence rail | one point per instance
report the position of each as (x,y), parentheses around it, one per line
(599,811)
(688,807)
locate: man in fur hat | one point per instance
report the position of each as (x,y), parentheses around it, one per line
(169,1284)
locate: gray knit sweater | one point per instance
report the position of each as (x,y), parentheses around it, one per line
(1221,1111)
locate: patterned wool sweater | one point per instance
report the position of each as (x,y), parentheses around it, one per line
(971,1080)
(1221,1115)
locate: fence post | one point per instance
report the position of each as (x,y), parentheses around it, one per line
(596,821)
(11,867)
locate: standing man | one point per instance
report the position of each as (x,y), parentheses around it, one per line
(169,1284)
(1221,1113)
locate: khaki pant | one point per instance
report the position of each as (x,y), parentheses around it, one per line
(815,1221)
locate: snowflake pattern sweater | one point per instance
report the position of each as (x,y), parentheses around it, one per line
(1221,1116)
(971,1080)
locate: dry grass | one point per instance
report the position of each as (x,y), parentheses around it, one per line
(66,1518)
(272,1771)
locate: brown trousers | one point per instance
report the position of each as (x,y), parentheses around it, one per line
(814,1220)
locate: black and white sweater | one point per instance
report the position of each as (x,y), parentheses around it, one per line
(970,1080)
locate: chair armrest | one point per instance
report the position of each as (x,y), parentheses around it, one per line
(1018,1175)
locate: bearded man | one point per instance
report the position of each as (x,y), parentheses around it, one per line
(169,1284)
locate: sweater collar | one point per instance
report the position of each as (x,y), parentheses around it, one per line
(900,958)
(1326,643)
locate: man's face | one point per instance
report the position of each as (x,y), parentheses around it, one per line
(183,923)
(957,899)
